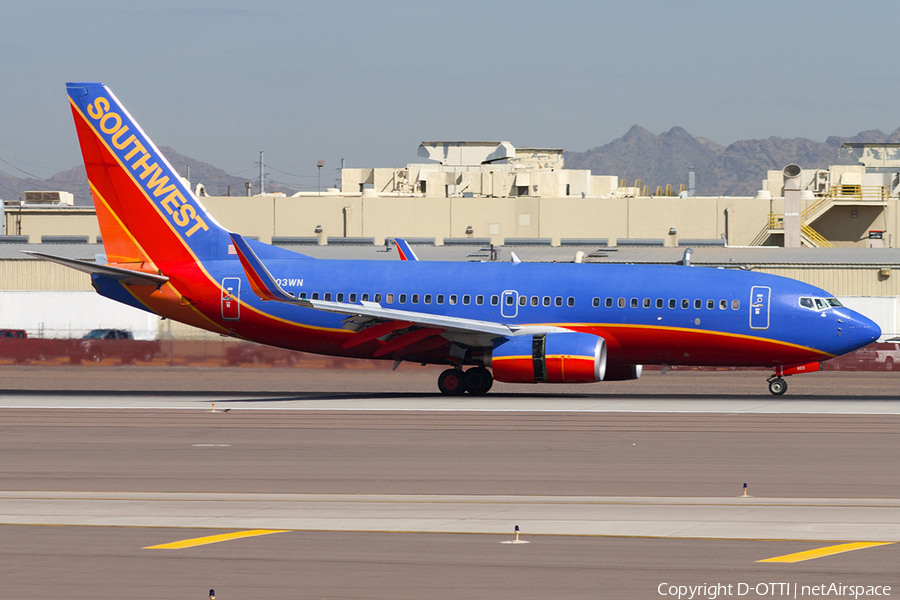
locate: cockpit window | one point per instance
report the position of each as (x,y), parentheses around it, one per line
(820,303)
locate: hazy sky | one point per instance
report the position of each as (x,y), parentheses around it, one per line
(220,80)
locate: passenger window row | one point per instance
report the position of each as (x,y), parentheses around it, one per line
(661,303)
(451,299)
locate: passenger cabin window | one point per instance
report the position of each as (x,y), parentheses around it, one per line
(466,299)
(621,303)
(523,300)
(698,304)
(402,298)
(685,303)
(415,298)
(558,301)
(315,295)
(364,298)
(723,304)
(509,301)
(377,297)
(571,301)
(646,302)
(328,296)
(595,302)
(608,303)
(389,298)
(534,301)
(440,299)
(546,301)
(452,298)
(659,303)
(352,297)
(479,300)
(710,304)
(634,303)
(427,298)
(673,303)
(303,295)
(735,304)
(495,300)
(340,297)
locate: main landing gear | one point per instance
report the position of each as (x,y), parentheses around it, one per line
(476,381)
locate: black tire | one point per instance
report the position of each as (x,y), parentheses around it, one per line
(452,382)
(479,381)
(777,386)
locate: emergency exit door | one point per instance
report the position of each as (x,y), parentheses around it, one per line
(231,291)
(759,306)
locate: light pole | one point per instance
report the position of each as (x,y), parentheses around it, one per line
(320,164)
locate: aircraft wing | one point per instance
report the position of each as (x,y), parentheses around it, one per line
(265,286)
(126,276)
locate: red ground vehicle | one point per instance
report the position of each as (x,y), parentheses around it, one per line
(16,345)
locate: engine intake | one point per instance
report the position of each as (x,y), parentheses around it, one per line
(623,372)
(565,357)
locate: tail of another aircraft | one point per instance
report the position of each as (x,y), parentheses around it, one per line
(147,214)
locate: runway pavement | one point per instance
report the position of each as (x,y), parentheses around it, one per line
(408,494)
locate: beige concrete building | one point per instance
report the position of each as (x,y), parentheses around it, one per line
(491,190)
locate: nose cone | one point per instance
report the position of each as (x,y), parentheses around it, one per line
(858,330)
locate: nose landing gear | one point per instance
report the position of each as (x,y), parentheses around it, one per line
(777,385)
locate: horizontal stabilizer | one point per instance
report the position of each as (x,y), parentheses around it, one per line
(126,276)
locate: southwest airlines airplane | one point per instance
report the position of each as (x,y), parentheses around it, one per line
(514,322)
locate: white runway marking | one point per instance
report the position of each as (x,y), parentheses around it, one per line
(763,405)
(845,520)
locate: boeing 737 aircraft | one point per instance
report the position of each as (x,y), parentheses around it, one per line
(513,322)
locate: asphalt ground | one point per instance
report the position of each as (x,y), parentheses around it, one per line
(110,562)
(360,377)
(351,452)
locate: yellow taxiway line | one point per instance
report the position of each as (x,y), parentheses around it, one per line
(213,539)
(820,552)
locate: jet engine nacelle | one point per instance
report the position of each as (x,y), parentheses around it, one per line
(623,372)
(564,357)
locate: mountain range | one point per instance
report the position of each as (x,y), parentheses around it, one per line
(657,160)
(215,180)
(735,170)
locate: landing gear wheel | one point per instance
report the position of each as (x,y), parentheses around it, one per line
(777,386)
(452,382)
(478,381)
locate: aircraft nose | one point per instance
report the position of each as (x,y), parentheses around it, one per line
(859,330)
